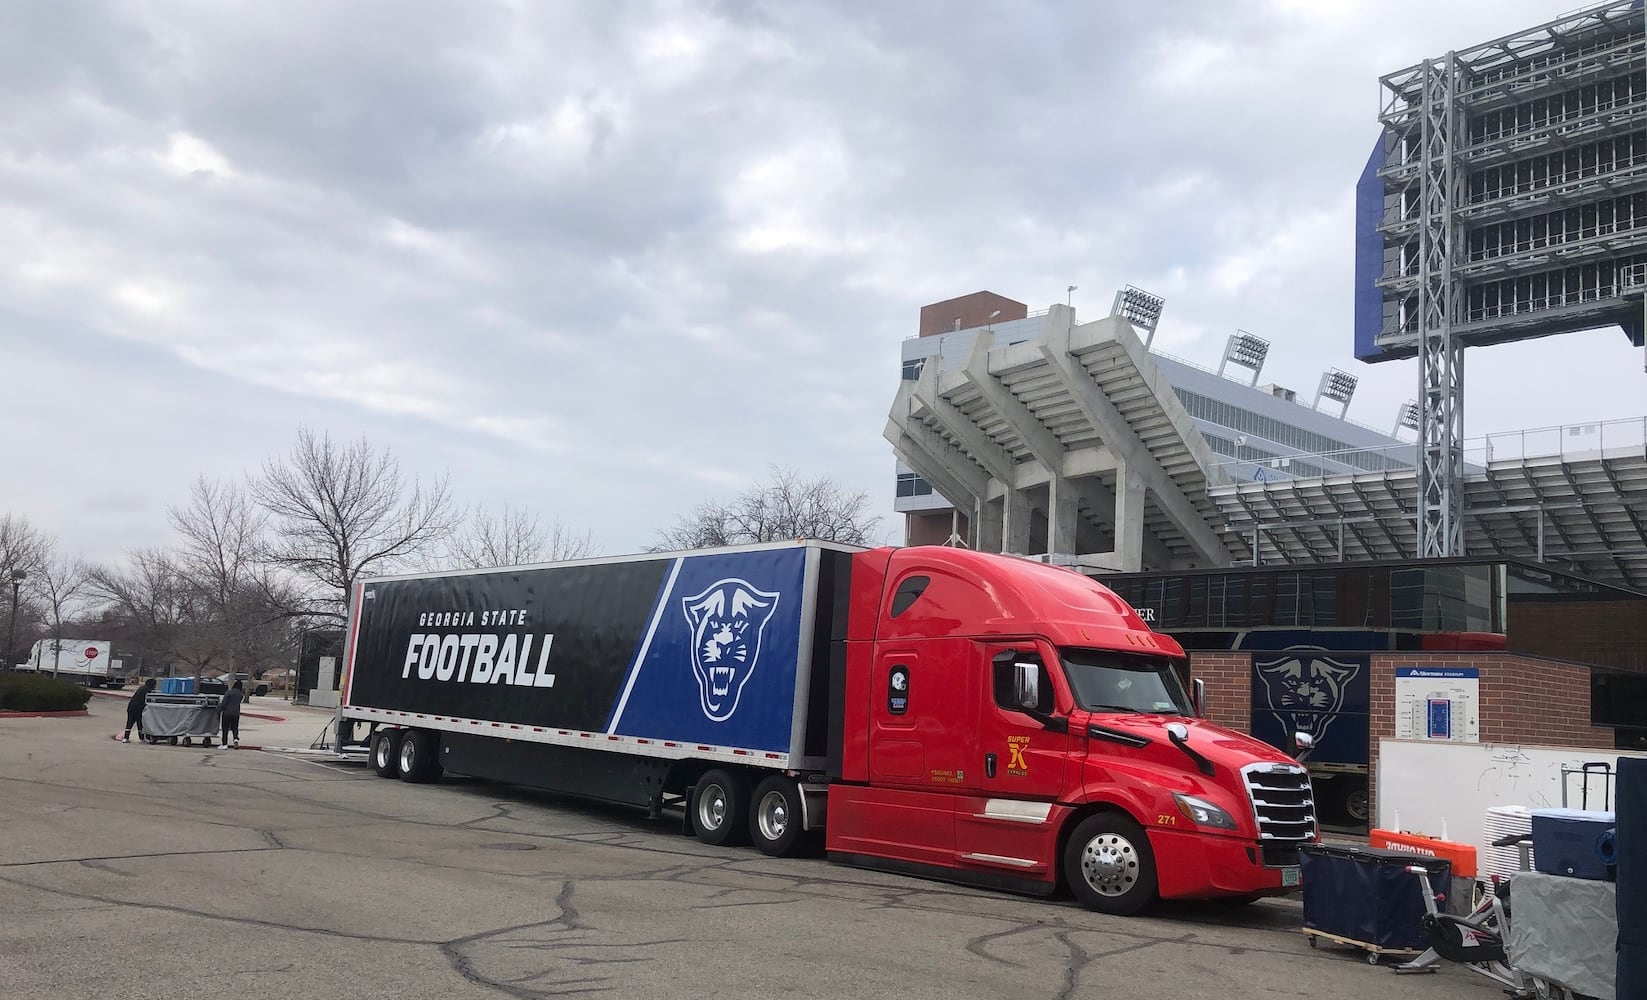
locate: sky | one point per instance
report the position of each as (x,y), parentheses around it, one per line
(608,260)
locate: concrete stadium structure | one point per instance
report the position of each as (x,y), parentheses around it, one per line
(1043,436)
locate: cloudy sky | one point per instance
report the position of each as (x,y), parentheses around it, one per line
(607,259)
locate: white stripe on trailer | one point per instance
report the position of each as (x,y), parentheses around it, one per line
(646,644)
(645,747)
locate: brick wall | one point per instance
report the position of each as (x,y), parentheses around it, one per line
(1229,687)
(1605,633)
(972,310)
(1524,699)
(934,529)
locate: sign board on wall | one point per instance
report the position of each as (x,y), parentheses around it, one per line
(1438,703)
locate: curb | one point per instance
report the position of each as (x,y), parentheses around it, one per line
(43,715)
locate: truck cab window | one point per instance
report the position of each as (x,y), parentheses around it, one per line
(907,593)
(1005,683)
(1117,682)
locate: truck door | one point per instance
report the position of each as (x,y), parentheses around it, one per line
(1020,762)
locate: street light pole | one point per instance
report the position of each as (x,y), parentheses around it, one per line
(17,578)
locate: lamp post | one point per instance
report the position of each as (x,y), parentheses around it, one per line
(17,578)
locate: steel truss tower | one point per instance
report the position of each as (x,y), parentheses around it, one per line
(1515,206)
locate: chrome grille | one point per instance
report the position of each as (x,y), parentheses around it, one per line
(1282,801)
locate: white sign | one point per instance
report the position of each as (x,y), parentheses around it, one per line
(1438,703)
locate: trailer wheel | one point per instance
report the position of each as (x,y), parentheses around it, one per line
(386,753)
(719,804)
(1356,803)
(417,756)
(1109,865)
(775,817)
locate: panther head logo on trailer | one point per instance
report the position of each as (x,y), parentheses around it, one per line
(727,621)
(1307,689)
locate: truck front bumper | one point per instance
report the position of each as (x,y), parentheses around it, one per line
(1190,865)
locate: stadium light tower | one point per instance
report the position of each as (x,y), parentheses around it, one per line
(1407,417)
(1247,351)
(1337,386)
(1141,309)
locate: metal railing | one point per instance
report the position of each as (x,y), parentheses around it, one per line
(1599,439)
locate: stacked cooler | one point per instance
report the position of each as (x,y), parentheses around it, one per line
(1501,822)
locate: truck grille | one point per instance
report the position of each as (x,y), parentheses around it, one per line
(1282,802)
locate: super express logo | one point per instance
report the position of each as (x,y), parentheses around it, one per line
(479,657)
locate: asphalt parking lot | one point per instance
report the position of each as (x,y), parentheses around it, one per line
(160,871)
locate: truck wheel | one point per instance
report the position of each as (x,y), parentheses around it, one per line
(1355,803)
(417,756)
(386,753)
(719,804)
(775,817)
(1109,865)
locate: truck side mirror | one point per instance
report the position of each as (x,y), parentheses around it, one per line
(1200,687)
(1303,744)
(1028,686)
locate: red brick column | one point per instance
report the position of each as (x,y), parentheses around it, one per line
(1229,687)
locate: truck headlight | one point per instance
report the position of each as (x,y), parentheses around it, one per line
(1203,813)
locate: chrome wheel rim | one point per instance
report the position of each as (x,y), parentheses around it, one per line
(773,816)
(383,757)
(1109,863)
(408,755)
(712,807)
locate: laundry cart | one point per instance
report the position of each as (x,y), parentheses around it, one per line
(185,717)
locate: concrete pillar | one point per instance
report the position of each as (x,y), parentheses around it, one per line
(986,525)
(1015,522)
(1129,517)
(1062,519)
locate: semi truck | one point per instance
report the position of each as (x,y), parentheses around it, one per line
(84,661)
(976,718)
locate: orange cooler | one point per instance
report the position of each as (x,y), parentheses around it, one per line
(1461,855)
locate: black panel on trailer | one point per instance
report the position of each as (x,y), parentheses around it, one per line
(624,779)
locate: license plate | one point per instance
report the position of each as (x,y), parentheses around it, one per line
(1289,877)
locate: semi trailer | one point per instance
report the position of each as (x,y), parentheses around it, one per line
(977,718)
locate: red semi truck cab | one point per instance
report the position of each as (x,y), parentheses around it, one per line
(1006,723)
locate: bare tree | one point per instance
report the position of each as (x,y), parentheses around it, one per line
(222,556)
(172,616)
(513,536)
(340,512)
(23,548)
(61,584)
(788,506)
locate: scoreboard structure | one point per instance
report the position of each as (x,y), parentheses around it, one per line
(1506,200)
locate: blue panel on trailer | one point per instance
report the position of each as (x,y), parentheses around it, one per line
(721,663)
(1369,258)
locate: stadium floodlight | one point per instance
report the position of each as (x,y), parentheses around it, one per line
(1408,417)
(1247,351)
(1139,308)
(1337,386)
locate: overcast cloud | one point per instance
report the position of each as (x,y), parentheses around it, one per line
(609,259)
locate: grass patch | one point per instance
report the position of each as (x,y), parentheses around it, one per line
(38,693)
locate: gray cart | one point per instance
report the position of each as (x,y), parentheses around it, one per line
(184,717)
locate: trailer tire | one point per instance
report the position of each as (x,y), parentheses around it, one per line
(775,817)
(386,753)
(417,756)
(1355,802)
(1109,865)
(720,801)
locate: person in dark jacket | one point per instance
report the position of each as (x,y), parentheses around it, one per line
(134,710)
(232,699)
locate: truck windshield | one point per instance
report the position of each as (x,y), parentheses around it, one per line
(1115,682)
